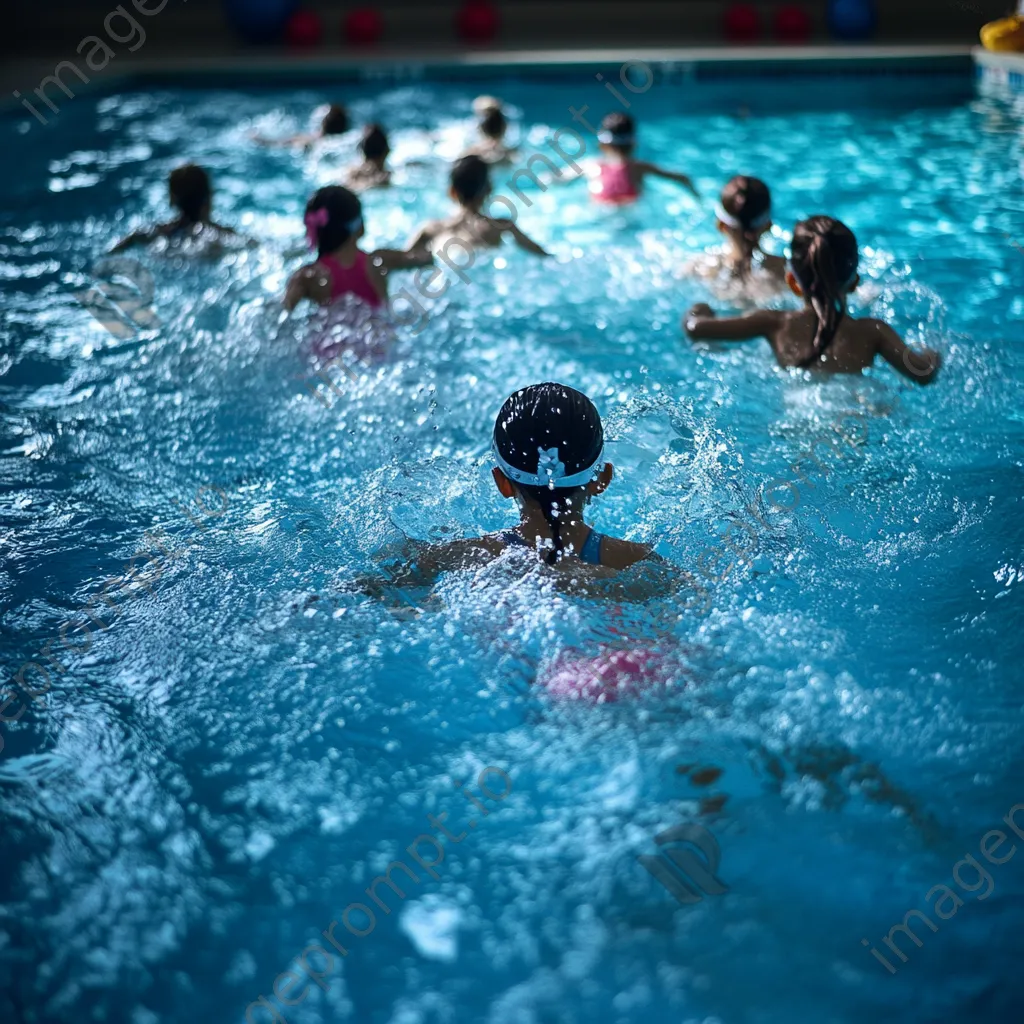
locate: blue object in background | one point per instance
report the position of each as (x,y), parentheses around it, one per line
(852,19)
(259,21)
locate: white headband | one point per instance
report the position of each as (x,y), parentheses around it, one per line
(550,470)
(611,139)
(734,222)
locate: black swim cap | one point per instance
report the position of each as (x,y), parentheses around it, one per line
(549,441)
(549,435)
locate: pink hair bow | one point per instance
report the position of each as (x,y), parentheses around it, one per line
(315,220)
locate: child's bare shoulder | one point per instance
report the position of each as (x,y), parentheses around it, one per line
(313,281)
(621,554)
(869,328)
(467,551)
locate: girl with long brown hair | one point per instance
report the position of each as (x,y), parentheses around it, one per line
(822,336)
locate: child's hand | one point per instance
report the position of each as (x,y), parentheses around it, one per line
(701,311)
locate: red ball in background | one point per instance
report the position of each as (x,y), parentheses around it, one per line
(742,23)
(363,26)
(304,28)
(478,21)
(792,24)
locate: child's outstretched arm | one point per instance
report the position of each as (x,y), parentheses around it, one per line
(402,259)
(920,366)
(701,324)
(523,240)
(135,238)
(644,168)
(423,239)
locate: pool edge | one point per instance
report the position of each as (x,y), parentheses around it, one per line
(400,65)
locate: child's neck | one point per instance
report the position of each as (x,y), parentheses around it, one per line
(738,256)
(346,254)
(533,524)
(473,206)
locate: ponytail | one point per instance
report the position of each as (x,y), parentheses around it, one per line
(748,245)
(556,505)
(825,296)
(824,262)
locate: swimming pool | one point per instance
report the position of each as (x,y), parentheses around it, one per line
(221,767)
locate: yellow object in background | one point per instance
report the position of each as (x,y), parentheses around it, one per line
(1006,35)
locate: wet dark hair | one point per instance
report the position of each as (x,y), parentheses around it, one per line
(748,200)
(374,143)
(335,121)
(620,124)
(824,259)
(548,416)
(343,207)
(471,178)
(493,123)
(190,190)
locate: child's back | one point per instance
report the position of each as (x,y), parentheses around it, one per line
(821,336)
(853,348)
(373,171)
(469,187)
(334,225)
(191,194)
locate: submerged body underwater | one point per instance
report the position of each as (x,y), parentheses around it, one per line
(234,746)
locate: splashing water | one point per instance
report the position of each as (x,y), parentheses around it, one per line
(215,776)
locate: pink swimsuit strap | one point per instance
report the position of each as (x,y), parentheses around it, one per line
(615,184)
(354,280)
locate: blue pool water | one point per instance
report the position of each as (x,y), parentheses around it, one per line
(219,771)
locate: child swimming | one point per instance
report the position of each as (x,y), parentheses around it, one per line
(548,449)
(334,122)
(191,195)
(334,225)
(822,336)
(493,125)
(743,215)
(470,186)
(373,171)
(619,178)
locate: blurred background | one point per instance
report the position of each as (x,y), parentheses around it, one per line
(210,26)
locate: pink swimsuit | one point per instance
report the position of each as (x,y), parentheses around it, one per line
(354,280)
(615,185)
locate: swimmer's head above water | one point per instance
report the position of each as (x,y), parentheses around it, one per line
(470,182)
(549,448)
(335,121)
(744,212)
(617,135)
(334,216)
(374,144)
(493,123)
(823,271)
(191,193)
